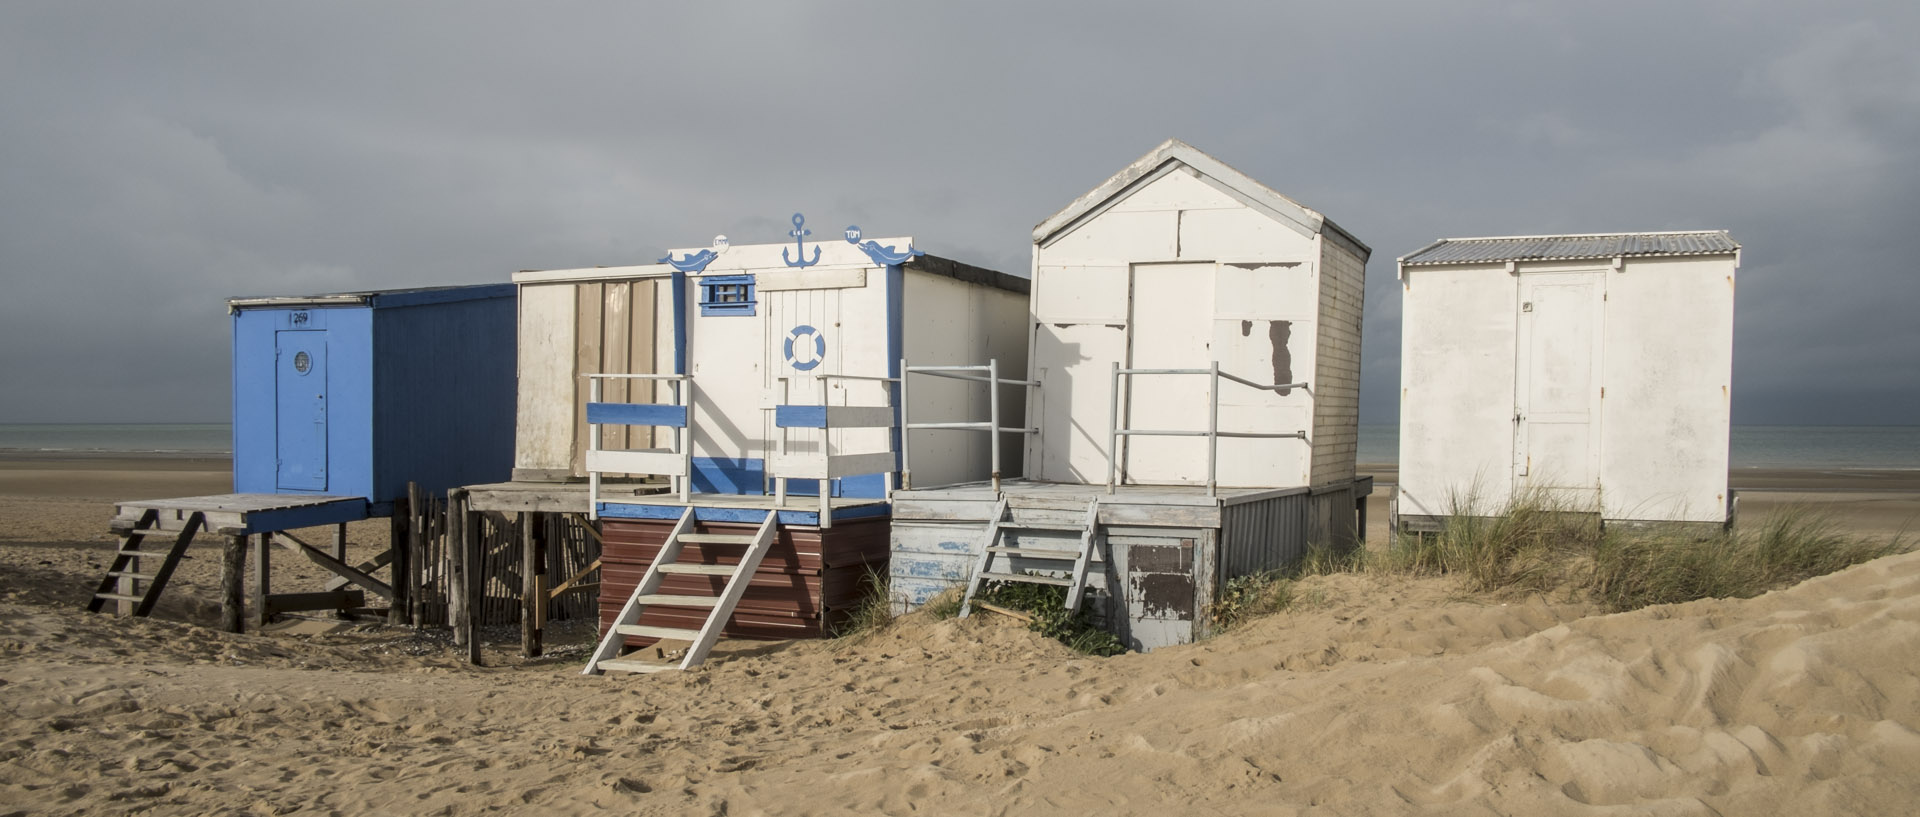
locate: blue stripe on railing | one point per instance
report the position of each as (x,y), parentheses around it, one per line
(800,416)
(637,414)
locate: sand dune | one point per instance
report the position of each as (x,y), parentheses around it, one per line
(1387,697)
(1376,696)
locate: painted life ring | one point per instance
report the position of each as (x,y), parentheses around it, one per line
(800,333)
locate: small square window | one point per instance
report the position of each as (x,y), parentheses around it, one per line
(726,295)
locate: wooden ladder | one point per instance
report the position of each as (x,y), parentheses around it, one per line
(667,563)
(134,592)
(994,545)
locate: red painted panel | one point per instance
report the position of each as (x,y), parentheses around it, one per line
(807,582)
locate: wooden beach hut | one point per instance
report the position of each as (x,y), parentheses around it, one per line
(341,404)
(1588,371)
(738,468)
(1194,365)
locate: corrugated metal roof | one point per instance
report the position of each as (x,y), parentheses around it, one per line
(1544,247)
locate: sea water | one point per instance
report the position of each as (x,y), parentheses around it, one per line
(1882,447)
(119,438)
(1842,447)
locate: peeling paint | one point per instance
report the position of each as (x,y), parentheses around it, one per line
(1278,332)
(1246,328)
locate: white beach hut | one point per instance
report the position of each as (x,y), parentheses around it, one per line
(1192,409)
(1590,370)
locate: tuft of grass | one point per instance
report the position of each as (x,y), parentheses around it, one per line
(1047,604)
(1525,546)
(1637,569)
(872,615)
(1247,597)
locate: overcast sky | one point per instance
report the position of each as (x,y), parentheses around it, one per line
(158,158)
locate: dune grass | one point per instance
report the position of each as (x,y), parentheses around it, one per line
(874,613)
(1535,544)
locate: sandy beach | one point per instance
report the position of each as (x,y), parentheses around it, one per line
(1375,696)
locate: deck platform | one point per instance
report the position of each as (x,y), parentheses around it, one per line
(646,501)
(243,514)
(1161,551)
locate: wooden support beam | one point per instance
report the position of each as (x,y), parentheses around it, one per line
(367,567)
(418,508)
(532,594)
(233,566)
(325,600)
(469,544)
(397,540)
(352,575)
(456,567)
(262,578)
(569,583)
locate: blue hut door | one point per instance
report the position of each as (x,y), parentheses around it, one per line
(300,398)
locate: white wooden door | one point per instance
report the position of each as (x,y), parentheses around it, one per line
(1172,328)
(1074,365)
(1557,388)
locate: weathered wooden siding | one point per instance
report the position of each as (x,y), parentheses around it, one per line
(572,328)
(1336,378)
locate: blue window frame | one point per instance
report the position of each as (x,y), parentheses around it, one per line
(726,295)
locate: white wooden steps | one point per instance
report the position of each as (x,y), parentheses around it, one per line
(608,656)
(995,546)
(127,584)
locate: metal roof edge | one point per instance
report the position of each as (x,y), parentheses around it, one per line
(968,273)
(534,276)
(1726,233)
(378,298)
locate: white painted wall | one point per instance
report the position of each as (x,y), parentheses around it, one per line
(951,322)
(1669,364)
(1665,362)
(1177,275)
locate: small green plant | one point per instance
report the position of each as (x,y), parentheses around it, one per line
(874,612)
(1246,597)
(1046,605)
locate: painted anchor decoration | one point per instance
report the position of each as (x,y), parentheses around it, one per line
(884,256)
(800,233)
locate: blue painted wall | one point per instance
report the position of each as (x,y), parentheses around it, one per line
(420,387)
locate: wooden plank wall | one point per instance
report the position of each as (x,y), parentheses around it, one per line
(615,331)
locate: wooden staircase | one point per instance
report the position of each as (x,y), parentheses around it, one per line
(720,608)
(133,590)
(995,547)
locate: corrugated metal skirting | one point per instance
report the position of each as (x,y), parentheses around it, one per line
(1270,534)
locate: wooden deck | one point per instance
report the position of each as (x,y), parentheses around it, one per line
(243,514)
(651,502)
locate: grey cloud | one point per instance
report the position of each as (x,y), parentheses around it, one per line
(155,159)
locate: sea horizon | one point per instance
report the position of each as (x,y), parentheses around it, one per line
(1864,447)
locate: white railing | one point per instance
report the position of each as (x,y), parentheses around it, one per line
(989,374)
(675,463)
(824,464)
(1213,432)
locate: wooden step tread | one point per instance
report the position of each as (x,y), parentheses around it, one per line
(679,601)
(697,569)
(128,574)
(118,597)
(1038,553)
(649,631)
(716,538)
(1028,578)
(624,665)
(124,552)
(1070,527)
